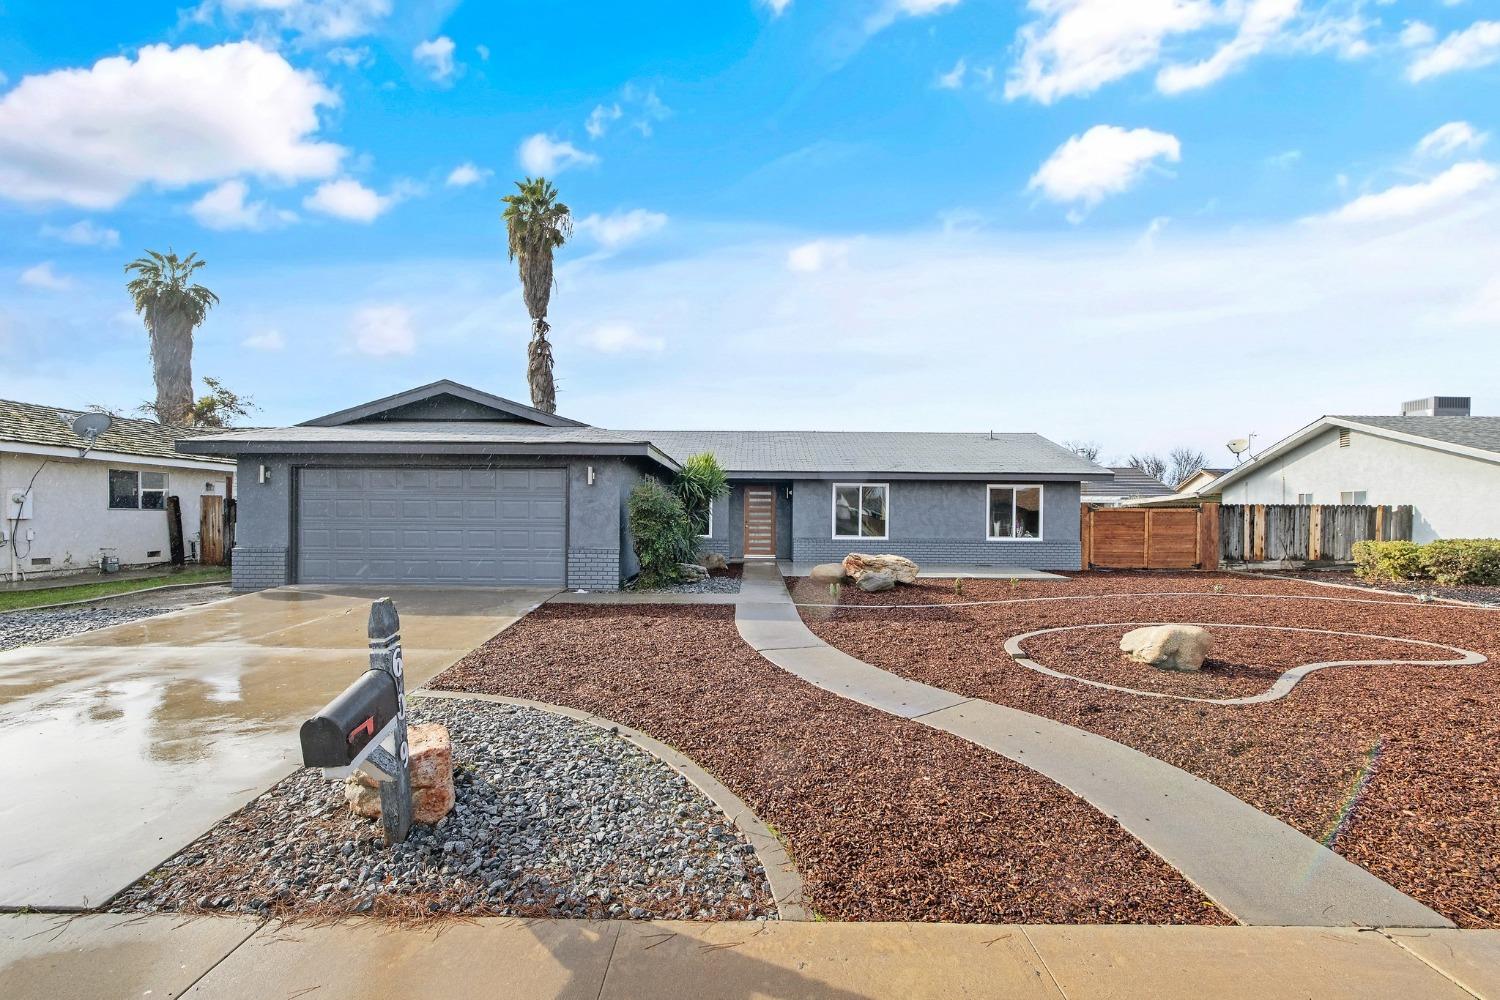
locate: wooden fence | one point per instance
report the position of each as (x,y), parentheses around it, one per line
(1151,537)
(1306,532)
(216,527)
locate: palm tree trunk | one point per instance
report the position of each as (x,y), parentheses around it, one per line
(172,365)
(539,368)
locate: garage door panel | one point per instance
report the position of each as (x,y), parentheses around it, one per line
(440,526)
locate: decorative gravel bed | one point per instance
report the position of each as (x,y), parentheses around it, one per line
(22,628)
(554,818)
(1397,768)
(1243,662)
(887,819)
(720,581)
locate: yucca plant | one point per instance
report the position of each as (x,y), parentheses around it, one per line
(172,306)
(536,224)
(701,482)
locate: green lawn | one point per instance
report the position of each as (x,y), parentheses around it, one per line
(14,600)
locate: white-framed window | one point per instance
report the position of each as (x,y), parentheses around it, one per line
(1304,499)
(708,528)
(132,490)
(1013,512)
(1356,497)
(861,510)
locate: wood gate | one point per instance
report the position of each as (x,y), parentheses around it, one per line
(1151,538)
(211,548)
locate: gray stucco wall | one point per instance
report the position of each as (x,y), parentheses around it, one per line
(939,522)
(599,556)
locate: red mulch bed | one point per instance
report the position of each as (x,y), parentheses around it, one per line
(887,819)
(1397,767)
(1243,662)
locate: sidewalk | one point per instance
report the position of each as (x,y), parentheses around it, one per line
(212,958)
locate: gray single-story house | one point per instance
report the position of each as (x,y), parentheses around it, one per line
(445,484)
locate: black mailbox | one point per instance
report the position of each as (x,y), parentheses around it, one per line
(335,736)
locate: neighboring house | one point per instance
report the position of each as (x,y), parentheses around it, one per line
(1129,483)
(447,484)
(1447,467)
(81,500)
(1199,481)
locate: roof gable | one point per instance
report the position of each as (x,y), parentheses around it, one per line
(443,400)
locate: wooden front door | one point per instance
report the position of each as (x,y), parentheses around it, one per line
(760,522)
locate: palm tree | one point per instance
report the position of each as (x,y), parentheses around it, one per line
(172,308)
(537,224)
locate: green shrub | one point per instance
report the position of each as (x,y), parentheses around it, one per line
(1459,561)
(1378,562)
(701,482)
(663,532)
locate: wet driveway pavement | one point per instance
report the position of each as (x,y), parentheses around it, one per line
(122,745)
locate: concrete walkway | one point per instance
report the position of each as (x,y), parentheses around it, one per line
(128,742)
(228,958)
(1254,866)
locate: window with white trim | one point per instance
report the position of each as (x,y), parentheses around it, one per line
(1014,512)
(705,521)
(1305,499)
(1355,497)
(132,490)
(860,510)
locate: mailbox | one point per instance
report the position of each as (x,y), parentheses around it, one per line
(336,735)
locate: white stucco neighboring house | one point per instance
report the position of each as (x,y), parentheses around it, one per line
(66,503)
(1441,461)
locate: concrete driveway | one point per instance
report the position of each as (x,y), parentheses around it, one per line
(122,745)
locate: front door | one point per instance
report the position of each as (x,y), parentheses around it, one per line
(760,522)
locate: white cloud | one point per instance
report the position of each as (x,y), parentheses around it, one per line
(778,7)
(265,340)
(1417,34)
(1475,46)
(351,57)
(1103,161)
(818,255)
(1263,21)
(890,10)
(1454,137)
(383,331)
(225,208)
(1077,46)
(42,276)
(347,198)
(83,233)
(483,51)
(599,119)
(620,228)
(954,78)
(466,174)
(542,154)
(436,55)
(170,117)
(622,338)
(1405,201)
(1285,159)
(316,20)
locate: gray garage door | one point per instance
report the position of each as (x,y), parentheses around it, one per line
(454,526)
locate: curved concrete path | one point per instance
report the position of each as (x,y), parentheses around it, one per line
(781,872)
(1280,688)
(1254,866)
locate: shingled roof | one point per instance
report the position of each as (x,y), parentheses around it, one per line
(1128,482)
(33,423)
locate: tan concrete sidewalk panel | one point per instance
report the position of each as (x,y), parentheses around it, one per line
(1469,958)
(827,961)
(1228,963)
(359,960)
(49,957)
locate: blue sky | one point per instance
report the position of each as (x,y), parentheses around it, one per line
(1140,223)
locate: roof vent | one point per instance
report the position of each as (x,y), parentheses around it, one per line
(1436,406)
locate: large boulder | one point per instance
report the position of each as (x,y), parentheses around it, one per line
(1168,647)
(713,561)
(691,572)
(875,581)
(857,564)
(431,777)
(828,573)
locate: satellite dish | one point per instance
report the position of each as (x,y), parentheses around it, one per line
(1238,446)
(90,425)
